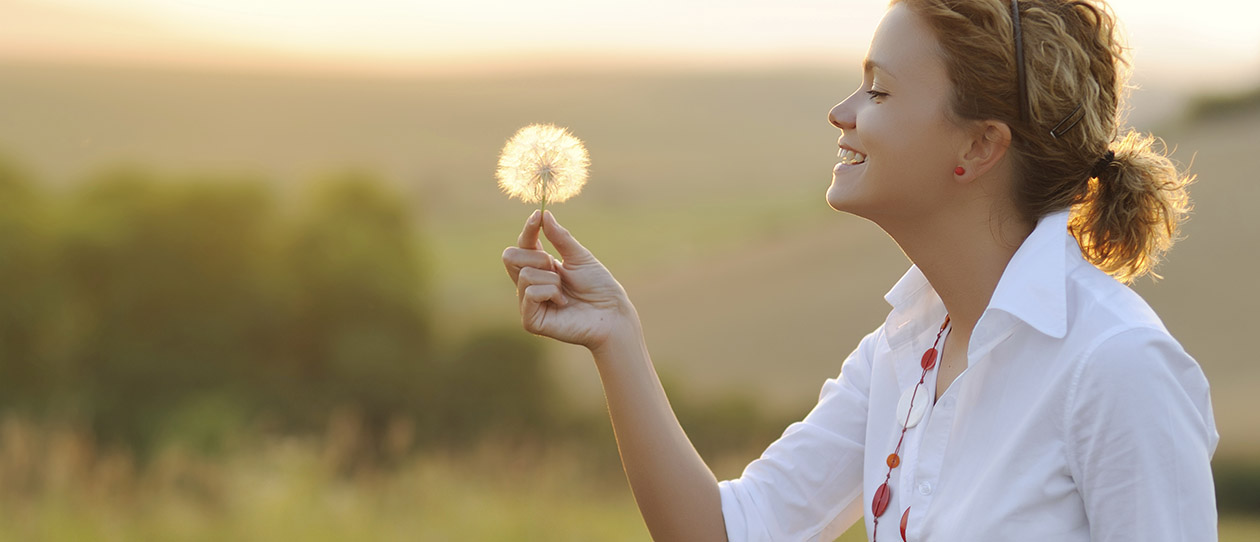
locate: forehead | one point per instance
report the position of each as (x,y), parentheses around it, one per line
(904,48)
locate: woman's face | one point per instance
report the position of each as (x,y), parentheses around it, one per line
(897,124)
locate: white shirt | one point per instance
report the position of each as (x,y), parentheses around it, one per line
(1078,418)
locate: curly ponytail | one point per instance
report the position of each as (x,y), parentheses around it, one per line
(1127,216)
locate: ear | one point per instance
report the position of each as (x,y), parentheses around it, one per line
(984,149)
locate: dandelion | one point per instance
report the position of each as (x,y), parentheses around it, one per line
(542,163)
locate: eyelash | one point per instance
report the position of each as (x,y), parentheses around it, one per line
(875,94)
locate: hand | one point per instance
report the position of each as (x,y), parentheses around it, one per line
(575,300)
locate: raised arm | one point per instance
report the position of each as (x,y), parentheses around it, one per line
(576,300)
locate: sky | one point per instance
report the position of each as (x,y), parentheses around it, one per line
(1206,43)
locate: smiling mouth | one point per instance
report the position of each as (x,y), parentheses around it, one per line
(850,158)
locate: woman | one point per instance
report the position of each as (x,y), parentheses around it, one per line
(1017,390)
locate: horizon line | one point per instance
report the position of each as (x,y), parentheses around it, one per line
(549,64)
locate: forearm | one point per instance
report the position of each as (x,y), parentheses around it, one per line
(576,300)
(676,492)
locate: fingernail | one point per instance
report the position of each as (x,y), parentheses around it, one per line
(533,218)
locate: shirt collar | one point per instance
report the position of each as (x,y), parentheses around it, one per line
(1033,288)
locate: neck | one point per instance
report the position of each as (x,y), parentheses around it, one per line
(963,256)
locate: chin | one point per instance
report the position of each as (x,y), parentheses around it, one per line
(839,197)
(844,199)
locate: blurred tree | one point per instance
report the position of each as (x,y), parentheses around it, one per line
(170,287)
(180,309)
(32,371)
(359,331)
(728,422)
(497,384)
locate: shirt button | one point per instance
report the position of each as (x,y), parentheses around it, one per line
(925,488)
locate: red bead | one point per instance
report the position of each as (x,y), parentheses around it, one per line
(929,359)
(880,502)
(893,461)
(959,170)
(905,516)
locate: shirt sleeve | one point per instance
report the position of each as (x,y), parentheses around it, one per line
(1140,440)
(807,485)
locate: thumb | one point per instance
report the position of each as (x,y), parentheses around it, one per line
(571,251)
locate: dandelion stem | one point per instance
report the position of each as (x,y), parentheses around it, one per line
(545,179)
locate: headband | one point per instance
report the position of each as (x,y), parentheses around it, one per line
(1071,119)
(1019,63)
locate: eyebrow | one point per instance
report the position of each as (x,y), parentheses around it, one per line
(869,65)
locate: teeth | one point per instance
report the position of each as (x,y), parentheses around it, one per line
(850,158)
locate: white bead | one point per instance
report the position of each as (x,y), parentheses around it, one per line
(920,406)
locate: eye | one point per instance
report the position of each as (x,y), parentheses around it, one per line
(876,95)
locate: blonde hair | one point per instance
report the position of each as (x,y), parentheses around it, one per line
(1127,216)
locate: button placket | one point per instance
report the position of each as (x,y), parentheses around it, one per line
(914,444)
(909,411)
(929,453)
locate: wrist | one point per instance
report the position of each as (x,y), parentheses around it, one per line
(625,335)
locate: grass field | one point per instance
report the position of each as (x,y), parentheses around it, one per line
(56,486)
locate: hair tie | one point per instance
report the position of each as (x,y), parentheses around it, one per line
(1103,163)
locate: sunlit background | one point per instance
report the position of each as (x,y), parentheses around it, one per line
(1198,45)
(249,276)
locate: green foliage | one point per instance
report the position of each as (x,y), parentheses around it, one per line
(1237,486)
(732,422)
(729,422)
(180,309)
(357,332)
(167,285)
(30,365)
(187,311)
(497,385)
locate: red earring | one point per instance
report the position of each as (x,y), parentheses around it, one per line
(959,170)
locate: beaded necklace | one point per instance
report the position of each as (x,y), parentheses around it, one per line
(880,503)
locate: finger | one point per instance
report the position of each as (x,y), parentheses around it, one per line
(517,258)
(532,275)
(529,235)
(536,294)
(570,250)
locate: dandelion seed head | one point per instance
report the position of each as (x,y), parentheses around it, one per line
(542,162)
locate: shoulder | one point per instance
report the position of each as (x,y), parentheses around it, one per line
(1100,306)
(1122,352)
(1114,334)
(866,349)
(1126,366)
(1131,360)
(855,372)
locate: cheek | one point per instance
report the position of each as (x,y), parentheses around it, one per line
(894,141)
(915,144)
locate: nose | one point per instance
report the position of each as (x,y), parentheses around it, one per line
(843,116)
